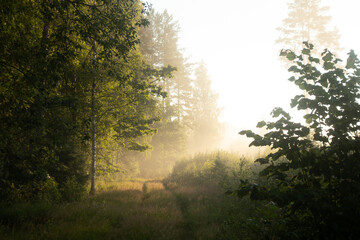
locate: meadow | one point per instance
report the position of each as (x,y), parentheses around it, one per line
(191,203)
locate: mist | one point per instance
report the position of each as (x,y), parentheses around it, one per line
(180,120)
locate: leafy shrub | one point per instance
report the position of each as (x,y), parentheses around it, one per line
(48,191)
(315,169)
(220,168)
(72,190)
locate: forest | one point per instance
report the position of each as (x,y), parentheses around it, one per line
(109,130)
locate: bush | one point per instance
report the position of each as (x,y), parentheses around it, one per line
(315,169)
(220,168)
(72,190)
(48,191)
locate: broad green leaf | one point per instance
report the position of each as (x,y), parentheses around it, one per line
(283,52)
(294,69)
(302,86)
(324,82)
(306,51)
(262,160)
(248,133)
(312,59)
(309,120)
(291,56)
(328,65)
(295,100)
(305,131)
(328,57)
(276,112)
(261,124)
(302,104)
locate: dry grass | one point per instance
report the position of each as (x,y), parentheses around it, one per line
(105,186)
(134,209)
(153,186)
(118,211)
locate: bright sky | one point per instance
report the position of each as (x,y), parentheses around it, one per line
(236,39)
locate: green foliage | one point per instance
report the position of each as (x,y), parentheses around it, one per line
(189,112)
(52,55)
(199,184)
(314,169)
(142,209)
(72,189)
(169,145)
(218,169)
(159,45)
(49,191)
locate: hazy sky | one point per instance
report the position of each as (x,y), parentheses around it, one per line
(236,39)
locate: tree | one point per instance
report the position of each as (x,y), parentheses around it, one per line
(205,113)
(307,21)
(121,81)
(70,72)
(159,45)
(41,97)
(315,179)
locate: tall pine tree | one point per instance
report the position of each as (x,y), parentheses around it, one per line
(159,44)
(307,21)
(206,128)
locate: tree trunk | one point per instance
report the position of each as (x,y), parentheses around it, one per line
(93,135)
(178,101)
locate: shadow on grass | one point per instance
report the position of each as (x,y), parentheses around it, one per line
(116,214)
(142,212)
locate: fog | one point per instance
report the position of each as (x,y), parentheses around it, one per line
(237,41)
(179,119)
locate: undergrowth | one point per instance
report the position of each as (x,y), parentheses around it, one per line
(191,203)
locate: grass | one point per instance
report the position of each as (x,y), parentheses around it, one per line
(120,212)
(124,211)
(187,206)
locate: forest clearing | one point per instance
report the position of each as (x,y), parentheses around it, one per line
(109,129)
(186,205)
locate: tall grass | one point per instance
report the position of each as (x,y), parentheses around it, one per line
(189,204)
(200,183)
(120,212)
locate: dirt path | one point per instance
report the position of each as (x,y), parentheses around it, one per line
(176,203)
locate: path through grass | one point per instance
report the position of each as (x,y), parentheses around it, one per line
(137,209)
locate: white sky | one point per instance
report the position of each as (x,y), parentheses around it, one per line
(236,39)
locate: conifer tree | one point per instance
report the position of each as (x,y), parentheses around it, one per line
(159,45)
(206,128)
(307,21)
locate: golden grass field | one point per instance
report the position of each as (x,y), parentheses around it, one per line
(132,209)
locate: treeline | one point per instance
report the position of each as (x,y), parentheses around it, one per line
(83,83)
(189,113)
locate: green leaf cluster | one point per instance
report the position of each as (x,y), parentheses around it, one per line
(53,56)
(314,169)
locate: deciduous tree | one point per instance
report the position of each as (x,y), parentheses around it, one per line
(315,180)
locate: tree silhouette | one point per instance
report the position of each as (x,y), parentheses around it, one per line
(315,181)
(307,21)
